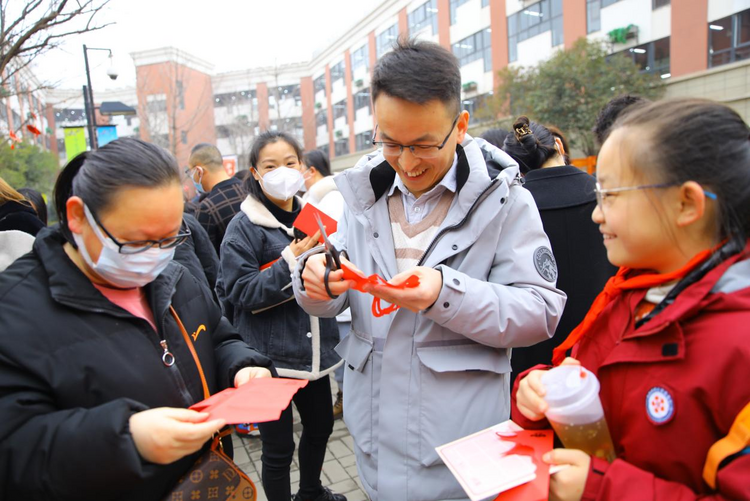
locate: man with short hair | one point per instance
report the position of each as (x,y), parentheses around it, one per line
(224,194)
(435,203)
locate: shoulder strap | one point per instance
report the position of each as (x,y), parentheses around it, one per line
(736,440)
(189,343)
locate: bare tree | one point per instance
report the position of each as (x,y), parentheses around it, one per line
(36,26)
(240,131)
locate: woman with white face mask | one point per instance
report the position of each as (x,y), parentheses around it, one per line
(96,373)
(258,254)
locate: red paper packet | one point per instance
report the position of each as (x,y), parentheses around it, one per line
(308,224)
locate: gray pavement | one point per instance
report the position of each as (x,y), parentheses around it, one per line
(339,469)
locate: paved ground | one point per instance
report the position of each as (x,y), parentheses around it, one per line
(339,471)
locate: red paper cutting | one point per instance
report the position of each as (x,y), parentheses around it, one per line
(360,281)
(257,401)
(308,225)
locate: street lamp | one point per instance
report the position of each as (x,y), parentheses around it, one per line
(88,94)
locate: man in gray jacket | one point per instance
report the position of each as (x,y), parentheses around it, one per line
(435,203)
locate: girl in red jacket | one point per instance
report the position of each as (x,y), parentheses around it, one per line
(668,337)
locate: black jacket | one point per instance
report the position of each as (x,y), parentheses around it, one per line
(218,207)
(261,303)
(74,367)
(19,216)
(565,197)
(197,254)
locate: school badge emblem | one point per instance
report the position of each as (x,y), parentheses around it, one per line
(545,264)
(659,405)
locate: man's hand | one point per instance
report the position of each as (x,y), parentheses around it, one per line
(248,373)
(412,298)
(314,275)
(568,484)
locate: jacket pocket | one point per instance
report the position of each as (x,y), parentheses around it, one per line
(463,389)
(356,350)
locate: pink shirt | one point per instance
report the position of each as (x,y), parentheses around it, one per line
(130,300)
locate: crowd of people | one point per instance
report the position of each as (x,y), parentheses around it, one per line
(499,258)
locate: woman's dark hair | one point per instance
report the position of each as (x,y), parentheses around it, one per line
(263,140)
(680,140)
(612,111)
(418,72)
(319,160)
(495,137)
(531,144)
(37,200)
(555,131)
(97,176)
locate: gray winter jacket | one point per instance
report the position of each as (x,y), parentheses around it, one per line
(418,380)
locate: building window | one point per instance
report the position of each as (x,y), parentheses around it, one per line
(384,41)
(453,6)
(321,118)
(362,100)
(156,103)
(729,39)
(183,137)
(593,15)
(339,110)
(652,57)
(320,84)
(129,121)
(233,98)
(485,3)
(535,19)
(473,47)
(655,4)
(341,147)
(472,105)
(607,3)
(337,72)
(423,16)
(360,58)
(363,141)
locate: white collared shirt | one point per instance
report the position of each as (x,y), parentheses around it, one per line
(417,209)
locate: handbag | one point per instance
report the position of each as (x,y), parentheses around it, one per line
(214,475)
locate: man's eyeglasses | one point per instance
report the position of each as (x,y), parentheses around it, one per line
(603,195)
(136,246)
(418,150)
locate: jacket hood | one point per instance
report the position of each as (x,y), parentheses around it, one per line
(68,284)
(259,214)
(479,164)
(319,190)
(13,207)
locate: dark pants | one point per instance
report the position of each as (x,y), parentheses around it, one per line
(313,403)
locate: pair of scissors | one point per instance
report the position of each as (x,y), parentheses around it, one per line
(333,257)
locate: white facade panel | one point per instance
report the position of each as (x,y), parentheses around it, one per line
(340,125)
(661,24)
(474,72)
(535,49)
(362,120)
(470,18)
(320,97)
(718,9)
(625,12)
(338,91)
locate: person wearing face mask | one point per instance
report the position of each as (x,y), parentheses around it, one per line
(221,194)
(258,255)
(565,197)
(96,376)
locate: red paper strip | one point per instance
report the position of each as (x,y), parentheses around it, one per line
(257,401)
(360,281)
(308,224)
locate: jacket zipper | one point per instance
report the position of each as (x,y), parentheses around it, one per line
(458,225)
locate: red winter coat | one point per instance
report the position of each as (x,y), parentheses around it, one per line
(695,352)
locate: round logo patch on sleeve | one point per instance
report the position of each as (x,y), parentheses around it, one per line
(659,405)
(545,264)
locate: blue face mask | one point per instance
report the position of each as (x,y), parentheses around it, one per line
(198,186)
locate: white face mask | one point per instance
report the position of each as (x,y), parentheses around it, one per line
(123,270)
(282,183)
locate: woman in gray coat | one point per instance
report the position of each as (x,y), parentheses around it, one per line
(258,254)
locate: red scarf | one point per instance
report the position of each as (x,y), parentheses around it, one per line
(616,286)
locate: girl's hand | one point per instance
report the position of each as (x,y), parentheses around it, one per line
(248,373)
(299,247)
(568,484)
(530,396)
(166,434)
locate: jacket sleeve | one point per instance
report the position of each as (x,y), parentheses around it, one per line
(615,482)
(515,306)
(322,309)
(47,453)
(242,283)
(205,251)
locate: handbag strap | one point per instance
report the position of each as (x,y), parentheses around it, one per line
(189,343)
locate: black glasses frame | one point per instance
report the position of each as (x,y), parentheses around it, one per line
(139,246)
(414,148)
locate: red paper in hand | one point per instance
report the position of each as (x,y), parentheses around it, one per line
(308,225)
(360,281)
(257,401)
(534,443)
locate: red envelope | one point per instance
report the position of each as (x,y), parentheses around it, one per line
(257,401)
(534,443)
(308,225)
